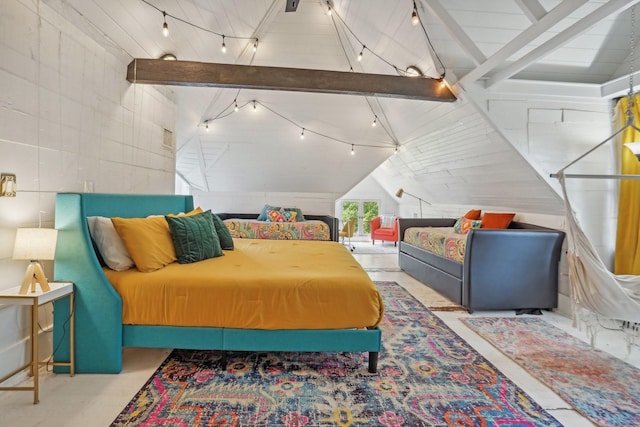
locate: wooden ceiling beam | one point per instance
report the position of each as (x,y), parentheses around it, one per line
(201,74)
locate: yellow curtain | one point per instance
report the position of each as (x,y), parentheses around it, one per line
(627,256)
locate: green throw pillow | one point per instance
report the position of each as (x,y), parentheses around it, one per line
(226,241)
(194,237)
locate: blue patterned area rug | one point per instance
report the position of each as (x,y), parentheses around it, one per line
(427,376)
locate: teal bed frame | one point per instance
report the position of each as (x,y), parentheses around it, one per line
(99,333)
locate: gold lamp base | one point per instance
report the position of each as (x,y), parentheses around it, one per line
(34,274)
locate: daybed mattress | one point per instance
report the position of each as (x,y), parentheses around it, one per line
(300,230)
(442,241)
(261,284)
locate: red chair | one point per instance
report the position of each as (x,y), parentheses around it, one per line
(384,234)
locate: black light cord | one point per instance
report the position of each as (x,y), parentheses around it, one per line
(224,36)
(64,334)
(424,30)
(224,113)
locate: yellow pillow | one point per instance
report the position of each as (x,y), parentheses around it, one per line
(148,241)
(190,213)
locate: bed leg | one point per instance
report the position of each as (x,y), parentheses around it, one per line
(373,362)
(223,359)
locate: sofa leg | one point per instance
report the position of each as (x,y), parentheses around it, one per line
(373,241)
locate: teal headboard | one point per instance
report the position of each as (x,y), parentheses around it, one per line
(98,308)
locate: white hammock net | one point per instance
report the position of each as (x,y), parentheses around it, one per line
(593,286)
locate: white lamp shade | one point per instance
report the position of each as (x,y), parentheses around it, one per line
(35,244)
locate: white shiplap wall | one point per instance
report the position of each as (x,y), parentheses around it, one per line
(67,116)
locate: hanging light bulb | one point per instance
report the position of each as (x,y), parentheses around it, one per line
(254,105)
(329,9)
(352,150)
(361,53)
(206,125)
(235,107)
(255,45)
(224,46)
(302,134)
(395,151)
(375,121)
(351,69)
(414,15)
(165,27)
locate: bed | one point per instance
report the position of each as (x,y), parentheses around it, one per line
(100,310)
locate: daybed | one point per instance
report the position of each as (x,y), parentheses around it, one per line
(313,227)
(492,269)
(106,322)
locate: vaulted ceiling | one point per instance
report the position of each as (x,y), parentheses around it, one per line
(477,45)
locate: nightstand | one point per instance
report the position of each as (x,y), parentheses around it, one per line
(35,300)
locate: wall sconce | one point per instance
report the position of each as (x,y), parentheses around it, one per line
(35,244)
(7,185)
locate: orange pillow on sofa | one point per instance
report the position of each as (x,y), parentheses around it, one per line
(473,214)
(497,220)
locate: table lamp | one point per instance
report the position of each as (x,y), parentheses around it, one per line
(35,244)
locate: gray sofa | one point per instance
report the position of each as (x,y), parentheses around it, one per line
(514,268)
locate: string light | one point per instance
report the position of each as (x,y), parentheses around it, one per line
(414,15)
(375,121)
(165,32)
(224,46)
(395,151)
(235,107)
(336,16)
(303,130)
(206,125)
(165,26)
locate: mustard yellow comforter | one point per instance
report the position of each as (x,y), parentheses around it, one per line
(261,284)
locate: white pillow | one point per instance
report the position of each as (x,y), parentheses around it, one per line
(387,221)
(109,243)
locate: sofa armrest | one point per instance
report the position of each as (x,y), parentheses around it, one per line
(503,266)
(331,221)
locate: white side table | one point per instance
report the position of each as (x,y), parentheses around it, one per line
(35,300)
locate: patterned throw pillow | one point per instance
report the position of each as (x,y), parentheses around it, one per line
(463,225)
(281,216)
